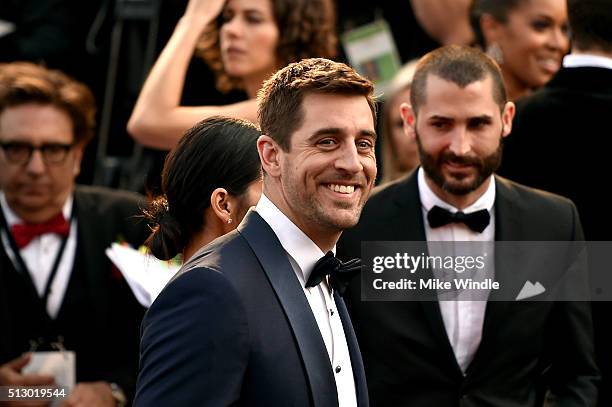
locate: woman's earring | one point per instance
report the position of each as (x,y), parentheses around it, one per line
(229,221)
(495,52)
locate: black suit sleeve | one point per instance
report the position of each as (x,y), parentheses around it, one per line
(573,376)
(195,344)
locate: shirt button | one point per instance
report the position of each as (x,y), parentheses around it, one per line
(338,369)
(331,312)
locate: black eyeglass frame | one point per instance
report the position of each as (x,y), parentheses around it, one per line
(52,153)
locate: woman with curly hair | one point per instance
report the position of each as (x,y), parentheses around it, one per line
(243,42)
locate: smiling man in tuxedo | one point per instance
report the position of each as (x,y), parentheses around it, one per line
(467,353)
(252,318)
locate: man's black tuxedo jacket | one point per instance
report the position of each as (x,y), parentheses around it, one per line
(561,143)
(99,317)
(407,355)
(235,328)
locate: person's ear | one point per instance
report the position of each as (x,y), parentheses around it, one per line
(408,117)
(223,206)
(270,155)
(507,117)
(77,150)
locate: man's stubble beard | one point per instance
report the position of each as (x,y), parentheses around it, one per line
(484,167)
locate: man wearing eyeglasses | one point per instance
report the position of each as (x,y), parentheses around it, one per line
(57,288)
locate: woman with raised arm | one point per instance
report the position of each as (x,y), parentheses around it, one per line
(243,42)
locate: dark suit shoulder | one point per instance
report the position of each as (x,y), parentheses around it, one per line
(389,212)
(195,343)
(543,100)
(108,215)
(231,256)
(226,254)
(384,197)
(536,199)
(106,199)
(389,189)
(197,281)
(564,104)
(548,216)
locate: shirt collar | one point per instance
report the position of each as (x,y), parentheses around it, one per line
(12,218)
(429,199)
(585,60)
(295,242)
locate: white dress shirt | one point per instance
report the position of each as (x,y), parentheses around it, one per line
(463,320)
(303,253)
(39,256)
(584,60)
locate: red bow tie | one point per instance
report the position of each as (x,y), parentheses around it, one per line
(25,232)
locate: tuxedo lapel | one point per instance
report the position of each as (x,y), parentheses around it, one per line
(410,212)
(355,353)
(508,222)
(508,227)
(275,264)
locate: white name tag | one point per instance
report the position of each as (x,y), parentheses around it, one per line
(59,364)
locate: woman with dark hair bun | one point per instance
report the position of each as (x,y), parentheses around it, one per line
(209,181)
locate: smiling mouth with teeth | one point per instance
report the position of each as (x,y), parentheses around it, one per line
(343,189)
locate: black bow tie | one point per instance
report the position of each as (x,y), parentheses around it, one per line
(477,221)
(340,273)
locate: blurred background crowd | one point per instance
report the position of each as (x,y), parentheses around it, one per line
(111,46)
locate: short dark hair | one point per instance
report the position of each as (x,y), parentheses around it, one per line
(280,110)
(591,24)
(498,9)
(306,28)
(216,152)
(460,65)
(24,82)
